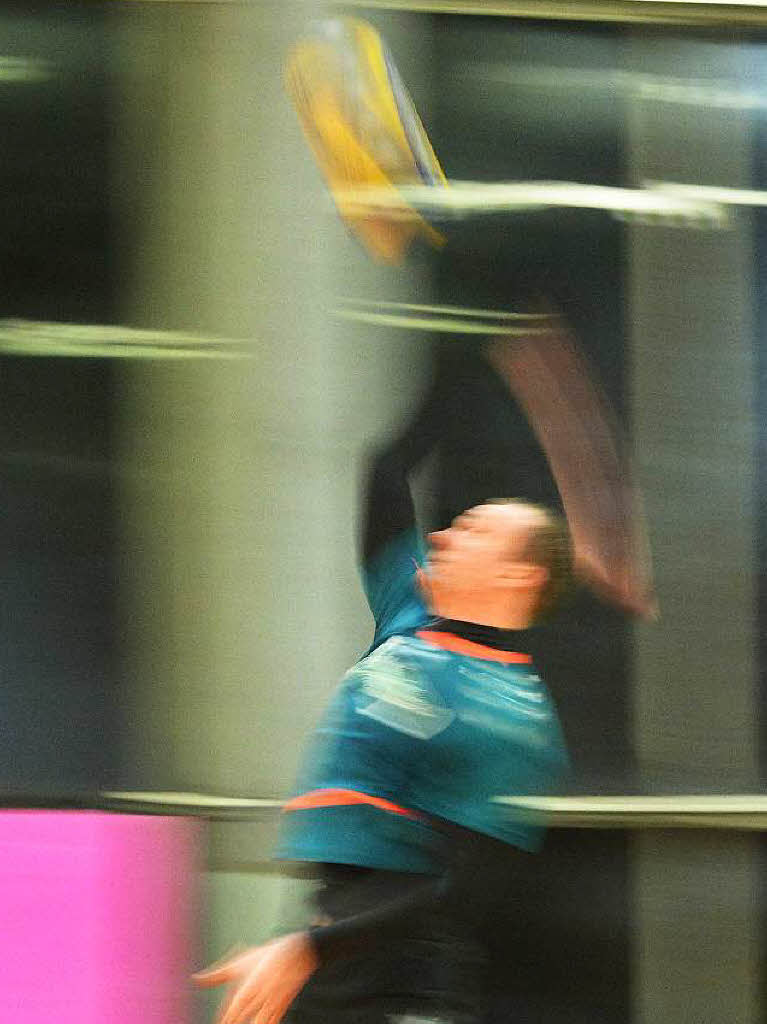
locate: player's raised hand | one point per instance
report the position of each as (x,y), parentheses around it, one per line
(264,980)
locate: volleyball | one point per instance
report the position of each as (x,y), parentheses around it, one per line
(364,131)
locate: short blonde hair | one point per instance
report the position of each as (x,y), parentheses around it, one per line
(549,546)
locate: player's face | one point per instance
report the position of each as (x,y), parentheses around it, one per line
(484,548)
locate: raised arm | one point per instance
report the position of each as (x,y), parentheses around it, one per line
(391,544)
(387,502)
(582,442)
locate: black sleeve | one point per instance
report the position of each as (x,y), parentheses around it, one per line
(475,879)
(380,924)
(387,504)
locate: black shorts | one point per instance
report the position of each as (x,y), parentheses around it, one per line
(432,975)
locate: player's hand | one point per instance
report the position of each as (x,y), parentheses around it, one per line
(622,589)
(264,980)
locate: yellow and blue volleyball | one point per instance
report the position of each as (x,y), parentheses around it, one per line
(364,131)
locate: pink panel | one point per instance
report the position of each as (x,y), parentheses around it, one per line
(98,917)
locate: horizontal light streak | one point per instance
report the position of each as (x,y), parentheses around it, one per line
(479,197)
(39,338)
(733,811)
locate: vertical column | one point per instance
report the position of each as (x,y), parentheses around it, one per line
(696,953)
(241,603)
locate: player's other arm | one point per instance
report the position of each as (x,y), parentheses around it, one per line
(266,979)
(477,869)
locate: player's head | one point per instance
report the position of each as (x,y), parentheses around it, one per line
(509,561)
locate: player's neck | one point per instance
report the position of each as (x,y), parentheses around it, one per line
(485,613)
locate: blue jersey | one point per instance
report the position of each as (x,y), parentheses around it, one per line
(426,726)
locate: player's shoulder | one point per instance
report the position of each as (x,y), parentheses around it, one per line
(399,685)
(402,655)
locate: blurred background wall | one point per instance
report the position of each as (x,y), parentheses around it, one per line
(58,590)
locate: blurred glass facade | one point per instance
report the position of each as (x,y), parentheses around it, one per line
(178,532)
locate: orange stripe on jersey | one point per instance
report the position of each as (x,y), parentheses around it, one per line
(458,645)
(344,798)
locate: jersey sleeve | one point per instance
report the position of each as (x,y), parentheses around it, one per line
(392,549)
(391,587)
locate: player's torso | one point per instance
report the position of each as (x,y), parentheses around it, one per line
(487,726)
